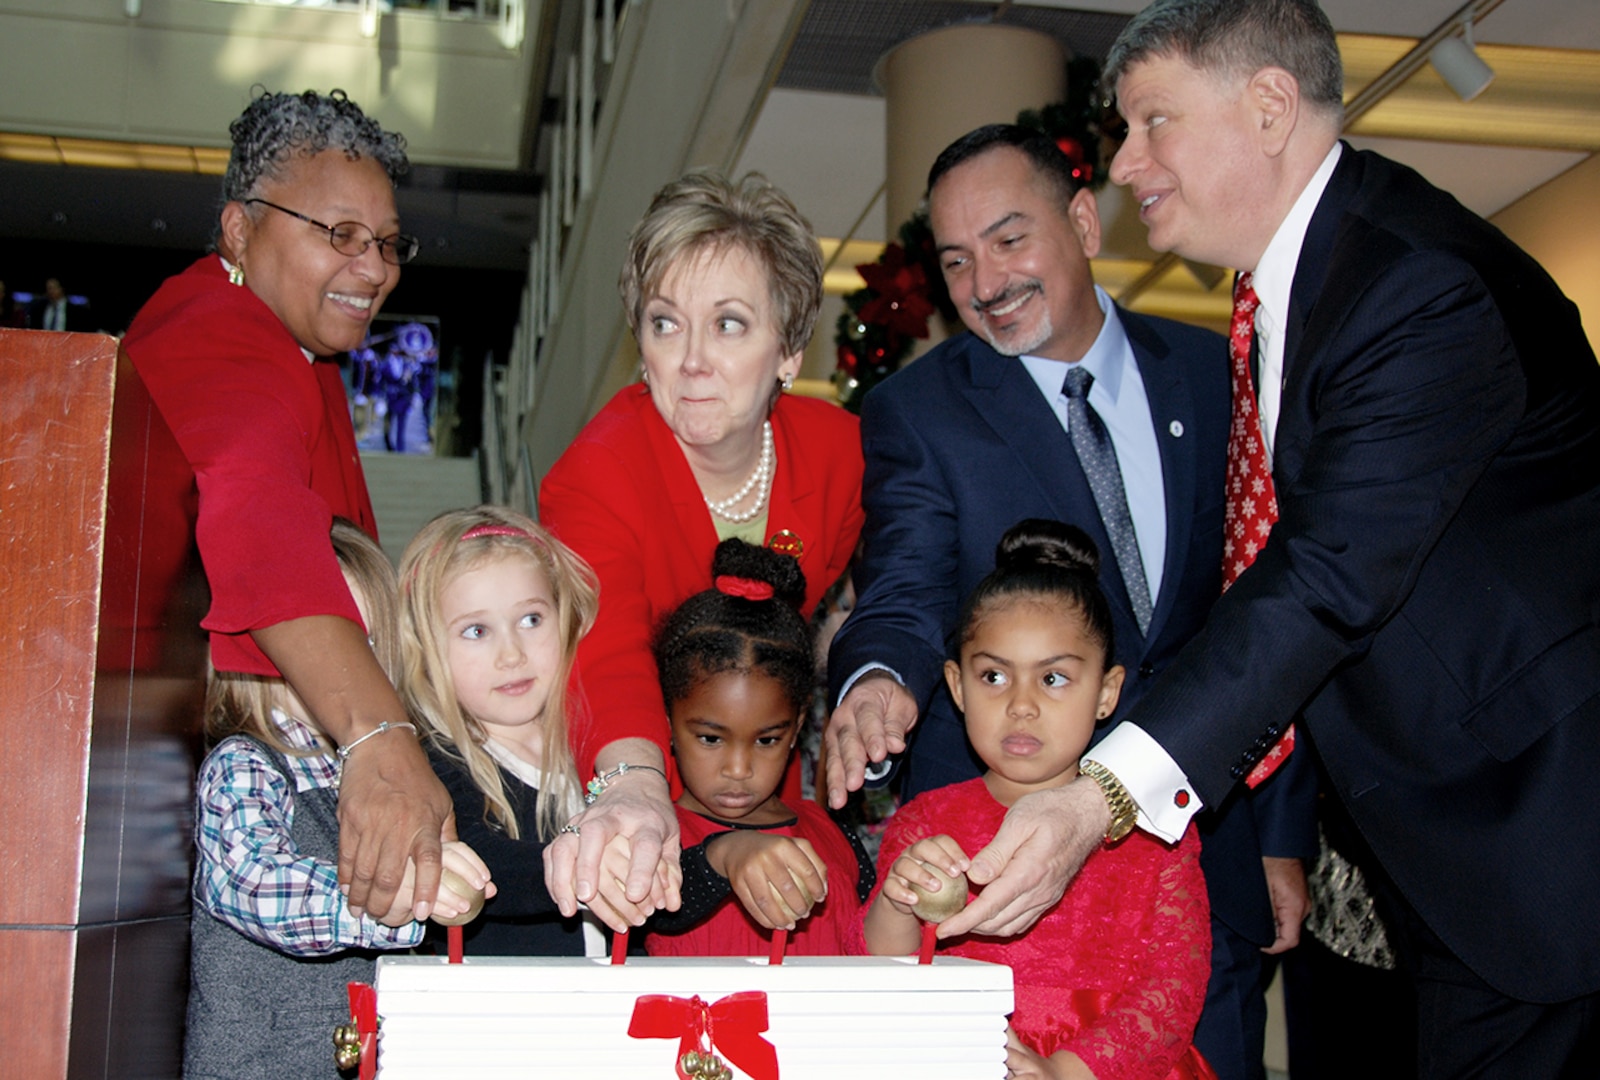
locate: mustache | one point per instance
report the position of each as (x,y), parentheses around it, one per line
(1011,293)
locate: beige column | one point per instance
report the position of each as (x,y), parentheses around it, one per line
(944,83)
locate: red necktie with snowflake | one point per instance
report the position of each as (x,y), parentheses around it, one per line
(1252,505)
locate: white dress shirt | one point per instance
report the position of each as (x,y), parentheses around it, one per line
(1118,397)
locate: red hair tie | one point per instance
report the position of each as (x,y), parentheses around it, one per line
(743,587)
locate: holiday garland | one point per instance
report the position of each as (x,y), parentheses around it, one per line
(905,286)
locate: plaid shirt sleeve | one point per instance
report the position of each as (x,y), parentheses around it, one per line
(250,875)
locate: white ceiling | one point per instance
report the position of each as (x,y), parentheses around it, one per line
(827,150)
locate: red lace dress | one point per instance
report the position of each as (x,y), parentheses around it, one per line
(730,932)
(1116,972)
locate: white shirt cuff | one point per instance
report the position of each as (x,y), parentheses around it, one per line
(864,669)
(1159,788)
(876,770)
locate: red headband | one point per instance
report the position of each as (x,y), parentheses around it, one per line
(497,530)
(743,587)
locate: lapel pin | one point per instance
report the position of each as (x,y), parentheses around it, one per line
(1176,427)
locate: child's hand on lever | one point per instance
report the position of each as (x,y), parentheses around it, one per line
(610,903)
(463,887)
(929,880)
(778,879)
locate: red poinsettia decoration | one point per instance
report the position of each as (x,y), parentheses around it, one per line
(1073,149)
(902,302)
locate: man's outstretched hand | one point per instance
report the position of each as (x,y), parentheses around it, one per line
(1041,846)
(870,724)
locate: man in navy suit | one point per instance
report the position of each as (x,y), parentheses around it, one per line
(974,437)
(1428,599)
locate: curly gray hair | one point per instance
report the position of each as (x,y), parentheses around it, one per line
(277,127)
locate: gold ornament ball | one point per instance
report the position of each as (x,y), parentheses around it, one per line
(449,879)
(936,907)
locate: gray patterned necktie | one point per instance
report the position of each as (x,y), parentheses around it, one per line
(1098,457)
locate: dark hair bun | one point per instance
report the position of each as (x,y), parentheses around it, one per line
(735,558)
(1039,542)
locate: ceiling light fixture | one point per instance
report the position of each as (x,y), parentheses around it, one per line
(1457,61)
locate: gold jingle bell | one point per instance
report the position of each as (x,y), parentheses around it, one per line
(704,1066)
(347,1045)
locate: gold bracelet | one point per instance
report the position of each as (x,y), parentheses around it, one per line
(1124,812)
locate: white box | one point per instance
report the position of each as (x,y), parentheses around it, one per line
(829,1018)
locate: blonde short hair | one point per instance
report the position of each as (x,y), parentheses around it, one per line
(705,211)
(240,704)
(440,552)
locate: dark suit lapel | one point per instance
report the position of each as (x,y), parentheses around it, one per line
(1311,271)
(1003,393)
(1171,408)
(1320,295)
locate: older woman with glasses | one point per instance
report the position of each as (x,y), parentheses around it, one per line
(234,354)
(721,284)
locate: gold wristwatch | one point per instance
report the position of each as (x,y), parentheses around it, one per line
(1124,813)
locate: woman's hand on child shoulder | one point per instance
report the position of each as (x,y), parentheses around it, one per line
(468,868)
(778,879)
(910,870)
(1023,1064)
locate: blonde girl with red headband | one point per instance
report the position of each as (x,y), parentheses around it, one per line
(737,674)
(491,612)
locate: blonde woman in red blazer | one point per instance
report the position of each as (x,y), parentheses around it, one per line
(722,285)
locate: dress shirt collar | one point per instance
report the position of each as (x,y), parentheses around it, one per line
(1106,359)
(1274,272)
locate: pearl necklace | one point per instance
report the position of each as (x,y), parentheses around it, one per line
(759,482)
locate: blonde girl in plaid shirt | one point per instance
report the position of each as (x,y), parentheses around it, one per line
(252,877)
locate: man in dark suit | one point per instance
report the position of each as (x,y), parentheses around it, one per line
(976,436)
(55,311)
(1428,597)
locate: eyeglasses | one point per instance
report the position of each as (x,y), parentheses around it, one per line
(347,239)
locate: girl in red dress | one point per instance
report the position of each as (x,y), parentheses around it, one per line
(737,672)
(1110,981)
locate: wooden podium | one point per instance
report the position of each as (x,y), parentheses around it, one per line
(101,683)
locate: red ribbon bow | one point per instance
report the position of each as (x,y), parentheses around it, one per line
(747,588)
(732,1025)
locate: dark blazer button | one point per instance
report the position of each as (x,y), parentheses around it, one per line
(1238,772)
(1146,670)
